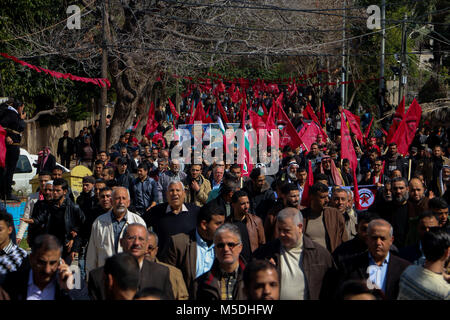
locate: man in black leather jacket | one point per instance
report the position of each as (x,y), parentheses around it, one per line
(12,121)
(63,219)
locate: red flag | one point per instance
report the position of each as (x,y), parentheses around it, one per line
(223,114)
(347,149)
(353,121)
(308,113)
(323,116)
(152,124)
(398,117)
(366,134)
(292,88)
(309,134)
(407,129)
(356,191)
(306,200)
(199,114)
(173,110)
(236,96)
(137,123)
(289,135)
(246,143)
(2,147)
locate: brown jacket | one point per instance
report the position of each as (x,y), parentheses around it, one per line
(255,231)
(208,284)
(198,198)
(270,229)
(182,253)
(317,265)
(334,223)
(176,279)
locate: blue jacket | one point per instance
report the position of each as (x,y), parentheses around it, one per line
(145,192)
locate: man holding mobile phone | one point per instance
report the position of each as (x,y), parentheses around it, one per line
(45,276)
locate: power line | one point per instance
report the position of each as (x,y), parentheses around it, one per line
(50,27)
(179,51)
(241,28)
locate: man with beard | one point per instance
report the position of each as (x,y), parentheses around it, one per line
(261,197)
(394,161)
(378,177)
(441,185)
(108,229)
(135,242)
(433,167)
(324,225)
(197,186)
(398,212)
(290,197)
(417,203)
(328,168)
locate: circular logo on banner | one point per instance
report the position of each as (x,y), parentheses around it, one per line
(366,198)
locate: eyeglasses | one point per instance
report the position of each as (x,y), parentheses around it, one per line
(230,245)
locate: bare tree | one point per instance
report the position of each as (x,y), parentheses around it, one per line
(147,38)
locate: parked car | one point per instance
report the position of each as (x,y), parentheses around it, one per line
(25,171)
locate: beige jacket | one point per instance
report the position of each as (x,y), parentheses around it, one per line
(101,242)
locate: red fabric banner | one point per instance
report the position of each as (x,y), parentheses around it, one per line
(407,129)
(398,117)
(354,123)
(223,114)
(309,134)
(101,82)
(152,124)
(288,135)
(173,110)
(347,149)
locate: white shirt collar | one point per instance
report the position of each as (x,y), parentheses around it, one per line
(183,208)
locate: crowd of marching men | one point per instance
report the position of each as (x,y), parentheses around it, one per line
(147,226)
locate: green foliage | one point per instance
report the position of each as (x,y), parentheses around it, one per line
(433,89)
(38,90)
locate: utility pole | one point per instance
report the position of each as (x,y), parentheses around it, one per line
(104,94)
(402,76)
(343,59)
(383,46)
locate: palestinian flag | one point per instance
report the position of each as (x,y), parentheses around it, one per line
(260,111)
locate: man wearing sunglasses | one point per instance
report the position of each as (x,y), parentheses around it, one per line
(225,279)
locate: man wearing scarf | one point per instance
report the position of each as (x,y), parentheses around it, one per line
(328,168)
(46,161)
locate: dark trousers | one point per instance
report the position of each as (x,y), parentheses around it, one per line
(65,160)
(7,173)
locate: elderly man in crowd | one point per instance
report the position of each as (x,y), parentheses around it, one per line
(225,279)
(306,268)
(109,228)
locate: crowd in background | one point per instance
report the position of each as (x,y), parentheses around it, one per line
(149,226)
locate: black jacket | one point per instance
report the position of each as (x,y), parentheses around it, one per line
(16,285)
(70,146)
(14,126)
(152,275)
(260,202)
(73,218)
(355,268)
